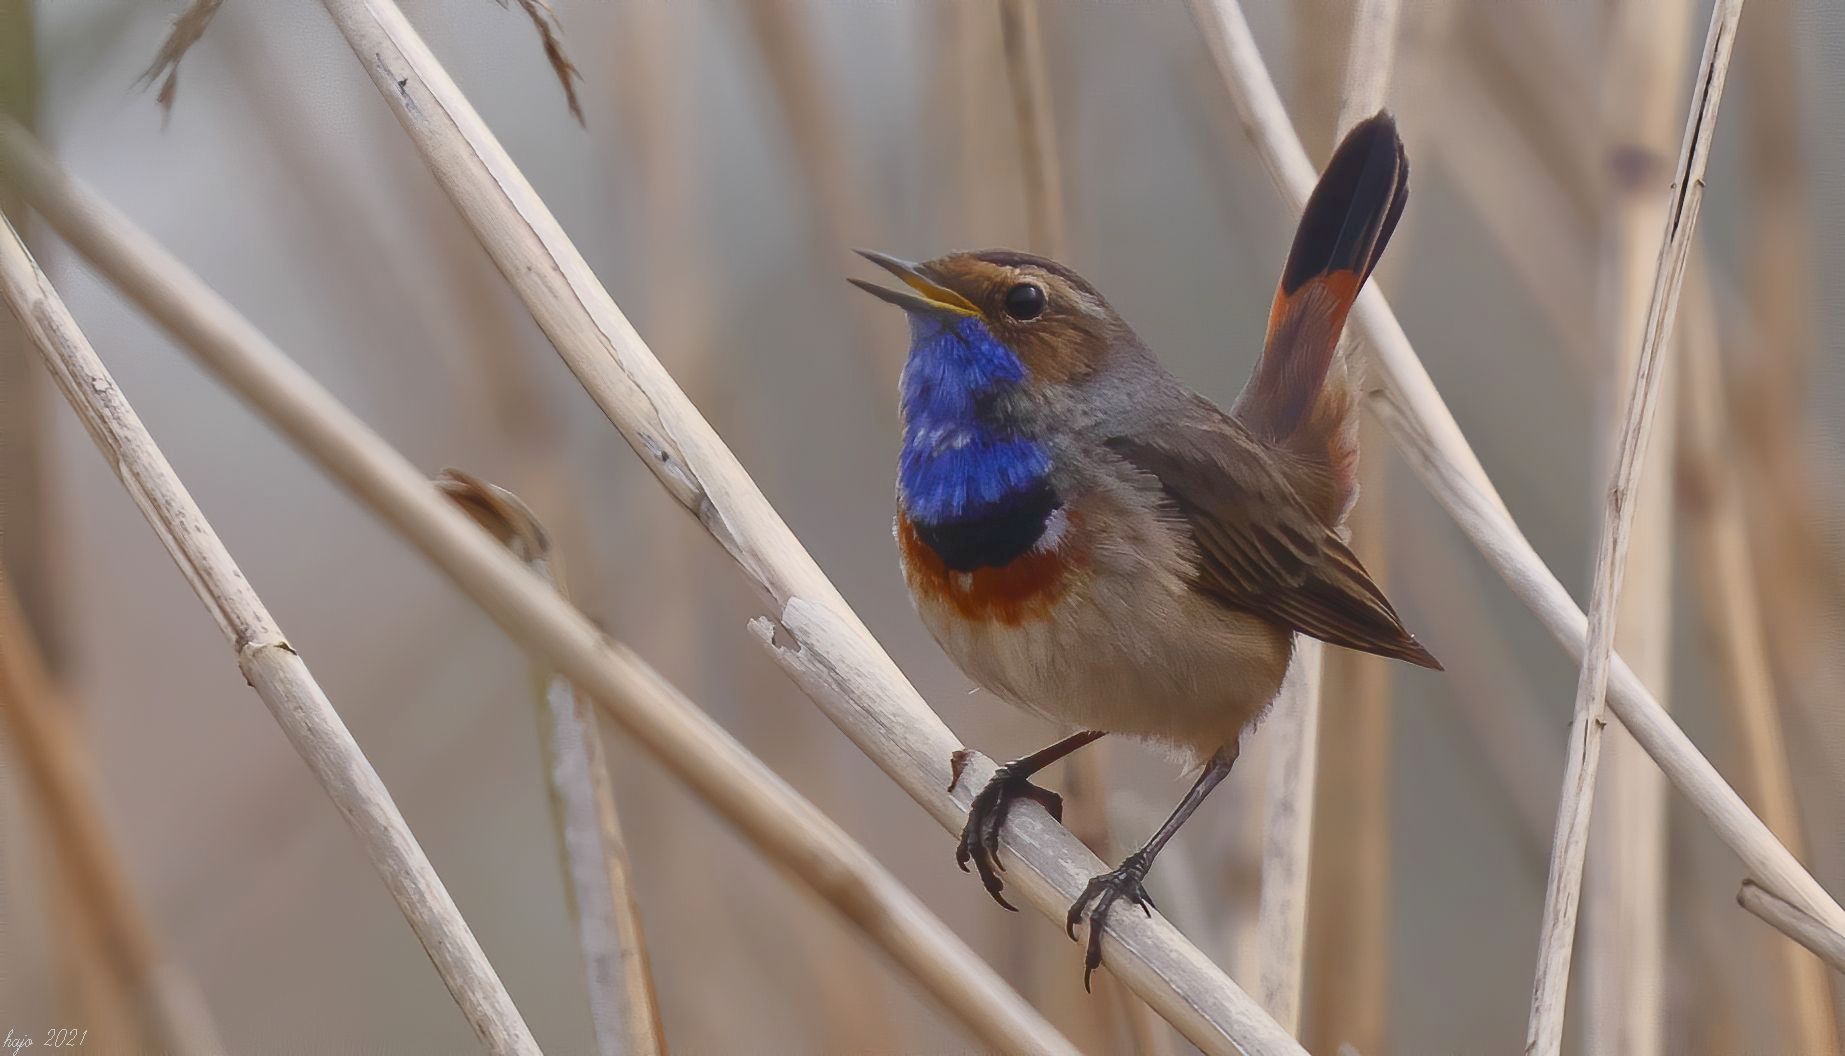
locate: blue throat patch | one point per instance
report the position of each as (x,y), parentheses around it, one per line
(956,467)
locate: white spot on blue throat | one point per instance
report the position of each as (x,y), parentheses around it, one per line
(954,465)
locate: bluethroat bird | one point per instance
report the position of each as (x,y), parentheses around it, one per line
(1094,542)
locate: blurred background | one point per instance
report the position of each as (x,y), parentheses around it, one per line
(730,152)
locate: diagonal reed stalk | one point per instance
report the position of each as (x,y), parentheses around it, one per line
(1563,891)
(1430,440)
(788,828)
(812,632)
(1295,730)
(279,676)
(1624,884)
(619,979)
(62,774)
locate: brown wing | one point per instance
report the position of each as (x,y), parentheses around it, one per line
(1261,550)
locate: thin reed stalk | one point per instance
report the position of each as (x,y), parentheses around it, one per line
(812,632)
(1563,891)
(264,656)
(1431,442)
(785,826)
(1294,731)
(161,995)
(619,978)
(1716,519)
(1624,886)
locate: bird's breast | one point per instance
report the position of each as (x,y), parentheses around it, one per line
(1021,590)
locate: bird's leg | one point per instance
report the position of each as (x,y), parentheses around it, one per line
(980,836)
(1126,882)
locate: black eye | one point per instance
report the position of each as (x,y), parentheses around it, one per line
(1025,301)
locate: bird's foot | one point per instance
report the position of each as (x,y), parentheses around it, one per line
(1100,897)
(980,836)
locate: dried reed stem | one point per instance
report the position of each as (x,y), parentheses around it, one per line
(1431,442)
(263,654)
(187,29)
(1791,920)
(813,633)
(62,773)
(1563,891)
(623,1009)
(1624,883)
(763,808)
(550,37)
(1294,731)
(1716,517)
(1022,38)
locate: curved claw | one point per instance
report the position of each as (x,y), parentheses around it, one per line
(1098,899)
(986,818)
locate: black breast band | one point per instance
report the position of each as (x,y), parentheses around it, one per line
(995,536)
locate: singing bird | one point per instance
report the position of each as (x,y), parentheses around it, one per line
(1094,542)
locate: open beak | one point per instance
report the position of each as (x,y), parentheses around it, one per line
(935,297)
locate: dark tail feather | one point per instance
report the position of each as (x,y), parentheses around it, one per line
(1354,208)
(1296,399)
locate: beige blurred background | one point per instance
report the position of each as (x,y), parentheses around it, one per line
(719,215)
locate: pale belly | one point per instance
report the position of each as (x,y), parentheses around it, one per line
(1126,646)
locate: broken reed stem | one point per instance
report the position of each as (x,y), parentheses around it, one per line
(1563,891)
(263,654)
(813,633)
(186,31)
(1022,39)
(1624,882)
(62,774)
(1431,442)
(618,976)
(1716,518)
(1294,732)
(1792,921)
(788,828)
